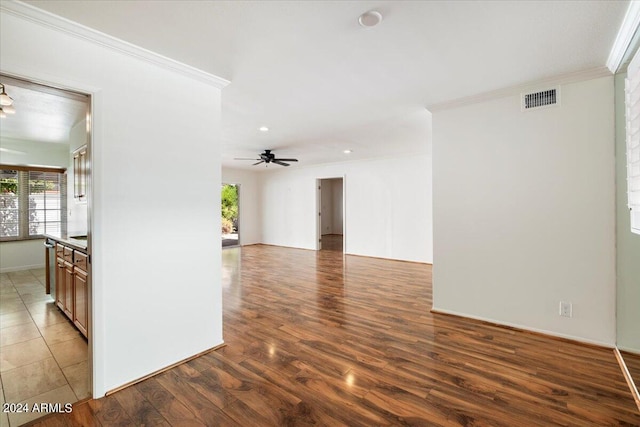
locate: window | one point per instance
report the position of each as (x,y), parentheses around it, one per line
(32,202)
(632,89)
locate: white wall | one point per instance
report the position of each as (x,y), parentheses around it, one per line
(23,152)
(336,213)
(326,207)
(331,206)
(249,204)
(388,207)
(21,255)
(524,212)
(627,243)
(156,276)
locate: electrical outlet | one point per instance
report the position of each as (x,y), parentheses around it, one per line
(565,309)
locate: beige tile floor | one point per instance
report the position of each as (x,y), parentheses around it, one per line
(43,358)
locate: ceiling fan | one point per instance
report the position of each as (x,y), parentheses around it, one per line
(269,157)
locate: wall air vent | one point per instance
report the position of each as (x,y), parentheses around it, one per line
(544,98)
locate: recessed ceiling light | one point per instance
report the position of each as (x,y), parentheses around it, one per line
(347,151)
(263,129)
(370,18)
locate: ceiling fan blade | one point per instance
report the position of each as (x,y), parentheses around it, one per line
(278,162)
(268,157)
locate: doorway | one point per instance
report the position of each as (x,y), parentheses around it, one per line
(331,218)
(46,357)
(230,212)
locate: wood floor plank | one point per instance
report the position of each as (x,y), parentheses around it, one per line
(109,412)
(167,404)
(141,412)
(632,361)
(204,401)
(321,394)
(317,338)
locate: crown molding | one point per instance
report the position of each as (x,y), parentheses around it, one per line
(55,22)
(625,36)
(562,79)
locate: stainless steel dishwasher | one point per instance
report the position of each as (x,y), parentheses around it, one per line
(50,261)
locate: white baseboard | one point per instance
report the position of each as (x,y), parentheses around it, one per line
(628,349)
(21,268)
(526,328)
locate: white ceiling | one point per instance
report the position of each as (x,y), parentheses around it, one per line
(42,114)
(323,84)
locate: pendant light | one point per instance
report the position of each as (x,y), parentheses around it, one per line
(5,104)
(4,98)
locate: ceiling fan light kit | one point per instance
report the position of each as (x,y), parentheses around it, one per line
(5,104)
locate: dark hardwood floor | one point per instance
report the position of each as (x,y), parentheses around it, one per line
(632,362)
(315,338)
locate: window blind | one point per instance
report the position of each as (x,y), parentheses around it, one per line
(47,197)
(632,101)
(32,202)
(9,204)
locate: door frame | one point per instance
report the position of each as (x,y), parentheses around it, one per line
(318,211)
(91,95)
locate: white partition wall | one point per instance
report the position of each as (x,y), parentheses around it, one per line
(387,205)
(524,213)
(627,243)
(156,271)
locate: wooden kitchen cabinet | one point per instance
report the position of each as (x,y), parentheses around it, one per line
(68,291)
(64,281)
(72,295)
(64,286)
(81,294)
(60,283)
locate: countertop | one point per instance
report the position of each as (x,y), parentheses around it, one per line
(66,240)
